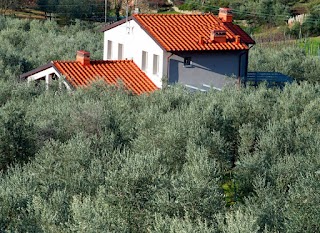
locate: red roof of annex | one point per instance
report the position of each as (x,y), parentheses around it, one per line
(125,71)
(83,71)
(181,32)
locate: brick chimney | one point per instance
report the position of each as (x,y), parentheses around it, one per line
(201,41)
(219,36)
(225,14)
(83,57)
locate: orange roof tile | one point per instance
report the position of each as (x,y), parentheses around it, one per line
(111,71)
(238,31)
(181,32)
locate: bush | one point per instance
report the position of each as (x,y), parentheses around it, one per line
(21,40)
(17,138)
(291,61)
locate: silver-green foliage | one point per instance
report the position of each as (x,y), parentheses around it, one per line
(27,44)
(291,61)
(106,161)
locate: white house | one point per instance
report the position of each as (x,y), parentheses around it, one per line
(196,49)
(128,40)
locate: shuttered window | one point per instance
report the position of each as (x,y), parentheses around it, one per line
(120,51)
(109,52)
(144,64)
(155,64)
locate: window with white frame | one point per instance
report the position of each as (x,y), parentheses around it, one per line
(120,51)
(155,64)
(144,64)
(109,52)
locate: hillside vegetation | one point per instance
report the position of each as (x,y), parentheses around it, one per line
(257,16)
(101,160)
(27,44)
(289,60)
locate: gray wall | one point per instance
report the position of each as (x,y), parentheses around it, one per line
(212,68)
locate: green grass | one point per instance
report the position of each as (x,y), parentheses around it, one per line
(229,189)
(311,45)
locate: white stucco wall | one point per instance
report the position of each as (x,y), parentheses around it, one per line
(47,74)
(135,40)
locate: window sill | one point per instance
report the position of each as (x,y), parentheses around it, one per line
(188,66)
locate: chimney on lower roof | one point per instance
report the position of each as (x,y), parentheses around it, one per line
(218,36)
(83,57)
(201,41)
(225,14)
(238,39)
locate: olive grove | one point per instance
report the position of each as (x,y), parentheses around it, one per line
(103,160)
(100,159)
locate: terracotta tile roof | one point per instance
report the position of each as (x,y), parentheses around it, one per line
(181,32)
(238,31)
(111,71)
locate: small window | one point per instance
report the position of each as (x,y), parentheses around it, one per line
(155,64)
(120,51)
(144,64)
(187,62)
(109,53)
(54,77)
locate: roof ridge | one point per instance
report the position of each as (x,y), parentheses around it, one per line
(187,25)
(168,14)
(107,61)
(180,32)
(64,61)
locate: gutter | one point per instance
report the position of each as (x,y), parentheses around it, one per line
(247,61)
(168,60)
(239,69)
(36,70)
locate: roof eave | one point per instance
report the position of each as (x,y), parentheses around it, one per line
(210,50)
(115,24)
(36,70)
(149,34)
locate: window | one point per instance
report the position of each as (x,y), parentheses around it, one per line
(109,53)
(120,51)
(54,77)
(144,64)
(155,64)
(187,62)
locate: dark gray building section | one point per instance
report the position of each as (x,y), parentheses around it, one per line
(214,68)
